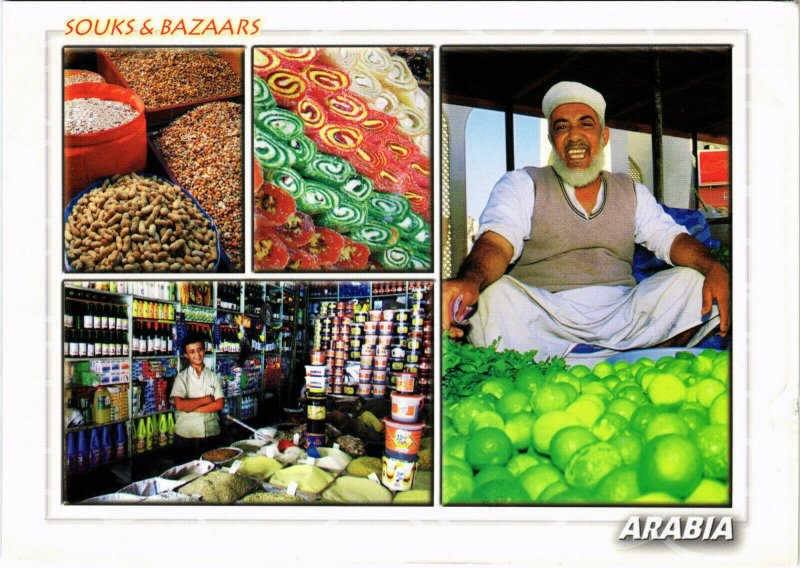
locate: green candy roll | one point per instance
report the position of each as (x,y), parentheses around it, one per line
(287,179)
(377,236)
(328,169)
(304,149)
(419,262)
(388,207)
(262,96)
(345,217)
(281,123)
(410,224)
(421,240)
(358,188)
(317,198)
(271,152)
(395,257)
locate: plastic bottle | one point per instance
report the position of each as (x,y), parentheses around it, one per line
(170,428)
(82,461)
(101,409)
(72,453)
(106,447)
(119,442)
(141,436)
(149,433)
(94,448)
(162,430)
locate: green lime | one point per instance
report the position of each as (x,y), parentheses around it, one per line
(718,412)
(603,369)
(579,371)
(703,365)
(536,479)
(564,377)
(623,407)
(522,462)
(552,490)
(547,425)
(465,411)
(569,496)
(708,390)
(597,388)
(514,402)
(656,498)
(500,492)
(642,416)
(645,377)
(519,429)
(713,442)
(608,426)
(555,396)
(488,446)
(621,365)
(588,408)
(694,418)
(721,371)
(629,444)
(529,379)
(590,464)
(568,441)
(665,423)
(709,492)
(611,382)
(619,486)
(671,464)
(492,473)
(457,485)
(497,387)
(457,463)
(632,392)
(486,419)
(666,390)
(455,446)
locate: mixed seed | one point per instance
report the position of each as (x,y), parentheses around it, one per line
(203,149)
(164,77)
(82,116)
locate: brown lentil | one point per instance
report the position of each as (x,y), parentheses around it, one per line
(82,77)
(203,149)
(113,228)
(82,116)
(163,76)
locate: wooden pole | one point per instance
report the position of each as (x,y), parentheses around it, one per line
(657,136)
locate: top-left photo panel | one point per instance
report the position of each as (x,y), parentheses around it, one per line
(153,159)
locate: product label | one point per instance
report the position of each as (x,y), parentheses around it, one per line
(292,489)
(235,466)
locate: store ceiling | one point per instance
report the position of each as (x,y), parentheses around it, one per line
(695,83)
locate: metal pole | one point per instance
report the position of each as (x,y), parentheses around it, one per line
(657,136)
(509,119)
(695,173)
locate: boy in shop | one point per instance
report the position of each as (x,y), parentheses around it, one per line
(198,397)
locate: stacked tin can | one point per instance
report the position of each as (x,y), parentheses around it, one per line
(332,340)
(374,359)
(317,385)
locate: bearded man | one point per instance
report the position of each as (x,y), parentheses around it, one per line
(569,230)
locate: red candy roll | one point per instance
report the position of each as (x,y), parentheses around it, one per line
(287,85)
(347,107)
(392,180)
(420,202)
(326,78)
(312,112)
(264,61)
(272,205)
(397,148)
(377,122)
(368,159)
(297,57)
(338,139)
(302,260)
(420,171)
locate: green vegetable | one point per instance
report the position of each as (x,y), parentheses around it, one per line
(363,466)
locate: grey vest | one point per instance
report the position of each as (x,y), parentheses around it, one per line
(566,250)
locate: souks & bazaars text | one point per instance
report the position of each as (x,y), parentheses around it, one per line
(167,27)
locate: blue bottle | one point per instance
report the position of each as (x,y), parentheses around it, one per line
(120,442)
(72,453)
(94,448)
(106,447)
(82,460)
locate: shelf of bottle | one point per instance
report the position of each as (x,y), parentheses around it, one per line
(104,357)
(93,426)
(201,322)
(197,307)
(159,413)
(226,354)
(95,469)
(115,295)
(229,311)
(75,386)
(162,356)
(244,393)
(149,299)
(156,320)
(147,453)
(252,315)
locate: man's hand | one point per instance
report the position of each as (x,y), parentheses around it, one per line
(717,287)
(452,289)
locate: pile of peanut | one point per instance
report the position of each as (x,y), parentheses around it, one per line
(134,223)
(203,149)
(169,76)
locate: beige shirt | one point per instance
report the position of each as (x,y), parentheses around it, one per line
(189,385)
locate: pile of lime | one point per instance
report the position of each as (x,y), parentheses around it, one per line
(652,432)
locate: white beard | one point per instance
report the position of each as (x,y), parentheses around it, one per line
(578,177)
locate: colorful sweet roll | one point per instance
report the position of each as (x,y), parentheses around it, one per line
(353,256)
(317,198)
(297,56)
(397,148)
(296,231)
(269,253)
(398,77)
(344,58)
(419,262)
(347,107)
(264,61)
(338,139)
(281,123)
(392,180)
(421,240)
(419,169)
(411,122)
(375,60)
(416,99)
(262,96)
(287,179)
(345,217)
(312,113)
(410,225)
(419,200)
(369,159)
(358,188)
(388,208)
(325,78)
(270,151)
(377,236)
(365,84)
(385,102)
(303,148)
(325,246)
(327,169)
(287,85)
(395,257)
(303,260)
(272,205)
(378,122)
(423,142)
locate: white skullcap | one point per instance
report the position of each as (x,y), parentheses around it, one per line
(572,92)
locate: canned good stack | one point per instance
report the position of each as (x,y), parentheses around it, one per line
(403,439)
(332,344)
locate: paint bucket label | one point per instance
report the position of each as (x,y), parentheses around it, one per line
(398,475)
(406,407)
(403,438)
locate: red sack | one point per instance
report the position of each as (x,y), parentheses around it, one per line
(96,155)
